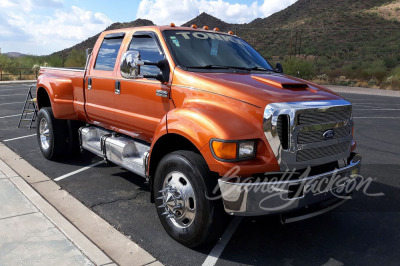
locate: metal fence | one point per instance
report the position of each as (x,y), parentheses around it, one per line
(18,74)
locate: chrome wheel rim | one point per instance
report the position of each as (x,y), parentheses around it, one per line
(44,134)
(179,202)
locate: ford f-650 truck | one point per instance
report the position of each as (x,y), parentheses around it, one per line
(212,126)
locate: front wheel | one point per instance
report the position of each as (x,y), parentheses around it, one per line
(182,181)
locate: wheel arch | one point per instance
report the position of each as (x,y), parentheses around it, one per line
(42,98)
(164,145)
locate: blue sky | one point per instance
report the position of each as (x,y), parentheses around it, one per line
(45,26)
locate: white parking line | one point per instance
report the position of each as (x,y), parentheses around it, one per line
(77,171)
(216,252)
(387,117)
(6,140)
(9,116)
(382,109)
(10,103)
(14,89)
(9,95)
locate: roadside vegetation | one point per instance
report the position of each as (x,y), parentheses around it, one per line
(26,67)
(378,73)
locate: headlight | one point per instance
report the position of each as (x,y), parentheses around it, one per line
(232,150)
(246,149)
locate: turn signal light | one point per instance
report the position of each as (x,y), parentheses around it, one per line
(172,25)
(205,28)
(224,150)
(194,26)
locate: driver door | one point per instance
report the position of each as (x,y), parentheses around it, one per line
(139,105)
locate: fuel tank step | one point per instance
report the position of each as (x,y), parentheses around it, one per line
(124,151)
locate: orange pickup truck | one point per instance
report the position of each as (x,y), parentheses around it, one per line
(212,126)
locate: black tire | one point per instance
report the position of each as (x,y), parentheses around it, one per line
(73,144)
(209,217)
(57,134)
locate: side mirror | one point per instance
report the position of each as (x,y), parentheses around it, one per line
(130,65)
(279,67)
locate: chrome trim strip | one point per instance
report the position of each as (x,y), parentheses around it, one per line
(354,162)
(63,69)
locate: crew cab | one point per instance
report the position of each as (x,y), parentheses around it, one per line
(214,128)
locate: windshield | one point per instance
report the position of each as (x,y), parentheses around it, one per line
(211,50)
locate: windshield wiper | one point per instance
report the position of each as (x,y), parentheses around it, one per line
(261,69)
(209,67)
(257,68)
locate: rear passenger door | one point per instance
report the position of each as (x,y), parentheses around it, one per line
(100,83)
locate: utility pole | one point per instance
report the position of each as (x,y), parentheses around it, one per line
(291,42)
(300,44)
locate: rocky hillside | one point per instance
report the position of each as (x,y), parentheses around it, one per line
(14,54)
(353,38)
(211,22)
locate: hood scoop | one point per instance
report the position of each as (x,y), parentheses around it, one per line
(283,83)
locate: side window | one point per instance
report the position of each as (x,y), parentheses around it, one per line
(108,54)
(149,51)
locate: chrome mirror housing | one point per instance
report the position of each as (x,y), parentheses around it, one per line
(130,65)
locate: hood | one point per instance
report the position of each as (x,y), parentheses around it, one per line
(257,89)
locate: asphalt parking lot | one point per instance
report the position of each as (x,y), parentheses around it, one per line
(364,231)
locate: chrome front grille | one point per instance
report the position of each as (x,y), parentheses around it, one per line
(316,136)
(296,132)
(321,152)
(316,118)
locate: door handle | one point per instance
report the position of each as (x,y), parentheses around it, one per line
(89,86)
(117,87)
(162,93)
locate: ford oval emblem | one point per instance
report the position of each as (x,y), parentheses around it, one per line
(329,134)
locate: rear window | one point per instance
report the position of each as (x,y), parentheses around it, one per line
(108,54)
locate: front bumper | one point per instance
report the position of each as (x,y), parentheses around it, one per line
(251,198)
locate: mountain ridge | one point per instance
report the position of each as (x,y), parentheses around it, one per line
(315,23)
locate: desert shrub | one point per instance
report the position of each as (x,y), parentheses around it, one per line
(376,70)
(393,80)
(300,68)
(334,74)
(390,62)
(76,59)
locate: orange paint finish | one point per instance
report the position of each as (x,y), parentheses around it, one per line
(199,106)
(61,87)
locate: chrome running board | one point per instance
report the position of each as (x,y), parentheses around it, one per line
(124,151)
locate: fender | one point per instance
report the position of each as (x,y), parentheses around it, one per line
(201,120)
(61,93)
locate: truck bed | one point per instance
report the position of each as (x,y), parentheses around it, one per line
(68,88)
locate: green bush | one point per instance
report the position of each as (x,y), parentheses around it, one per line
(390,62)
(393,80)
(299,68)
(376,70)
(76,59)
